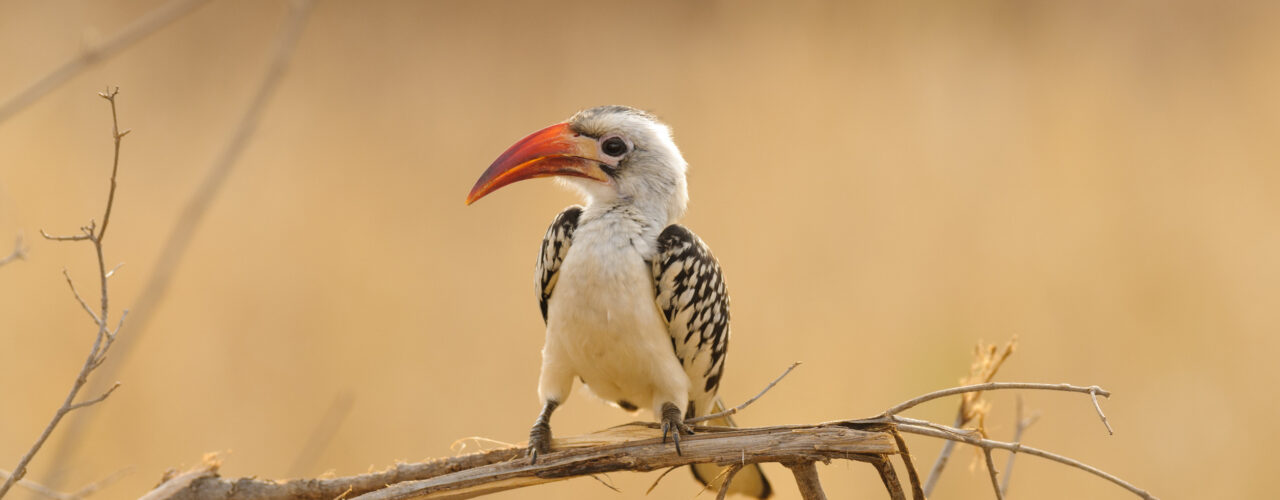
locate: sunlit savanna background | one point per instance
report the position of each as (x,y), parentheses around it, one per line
(884,184)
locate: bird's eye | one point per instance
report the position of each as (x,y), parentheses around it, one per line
(614,146)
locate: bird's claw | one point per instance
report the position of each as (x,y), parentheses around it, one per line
(673,425)
(539,441)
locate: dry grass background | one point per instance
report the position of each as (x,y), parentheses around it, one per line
(885,184)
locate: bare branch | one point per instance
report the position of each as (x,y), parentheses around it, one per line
(184,228)
(139,29)
(605,483)
(80,299)
(84,492)
(1022,425)
(110,96)
(728,479)
(992,386)
(986,363)
(917,493)
(38,488)
(19,252)
(102,341)
(634,447)
(735,409)
(807,480)
(96,400)
(1093,393)
(1019,448)
(940,463)
(991,470)
(78,237)
(629,447)
(659,479)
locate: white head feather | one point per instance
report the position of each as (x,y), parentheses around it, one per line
(649,176)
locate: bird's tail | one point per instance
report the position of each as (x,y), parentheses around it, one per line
(749,481)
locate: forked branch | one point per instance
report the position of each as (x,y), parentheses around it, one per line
(105,336)
(635,447)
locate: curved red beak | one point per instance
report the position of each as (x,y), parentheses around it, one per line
(555,150)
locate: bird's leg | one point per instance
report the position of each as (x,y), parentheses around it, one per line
(673,424)
(540,435)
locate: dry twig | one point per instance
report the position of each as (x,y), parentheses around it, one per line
(628,447)
(735,409)
(638,447)
(106,336)
(139,29)
(728,480)
(189,219)
(1019,448)
(1022,425)
(987,361)
(991,470)
(994,386)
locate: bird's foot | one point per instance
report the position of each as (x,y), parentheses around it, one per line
(539,441)
(673,424)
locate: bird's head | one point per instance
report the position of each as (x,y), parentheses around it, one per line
(609,153)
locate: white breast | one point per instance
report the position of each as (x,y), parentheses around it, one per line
(603,322)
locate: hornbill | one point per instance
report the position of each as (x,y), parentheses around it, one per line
(635,304)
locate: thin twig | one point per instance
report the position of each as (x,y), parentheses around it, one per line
(605,483)
(116,135)
(1022,425)
(19,252)
(1019,448)
(77,237)
(939,463)
(79,298)
(80,494)
(992,386)
(987,362)
(659,479)
(139,29)
(102,341)
(961,433)
(1094,394)
(38,488)
(917,493)
(735,409)
(189,220)
(991,469)
(94,401)
(724,487)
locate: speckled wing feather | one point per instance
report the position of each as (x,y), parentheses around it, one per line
(692,298)
(554,247)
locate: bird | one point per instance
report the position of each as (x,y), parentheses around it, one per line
(634,303)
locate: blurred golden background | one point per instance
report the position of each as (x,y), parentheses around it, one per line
(884,183)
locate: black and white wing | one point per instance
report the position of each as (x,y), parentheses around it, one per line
(555,245)
(692,298)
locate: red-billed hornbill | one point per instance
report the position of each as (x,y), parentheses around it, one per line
(635,304)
